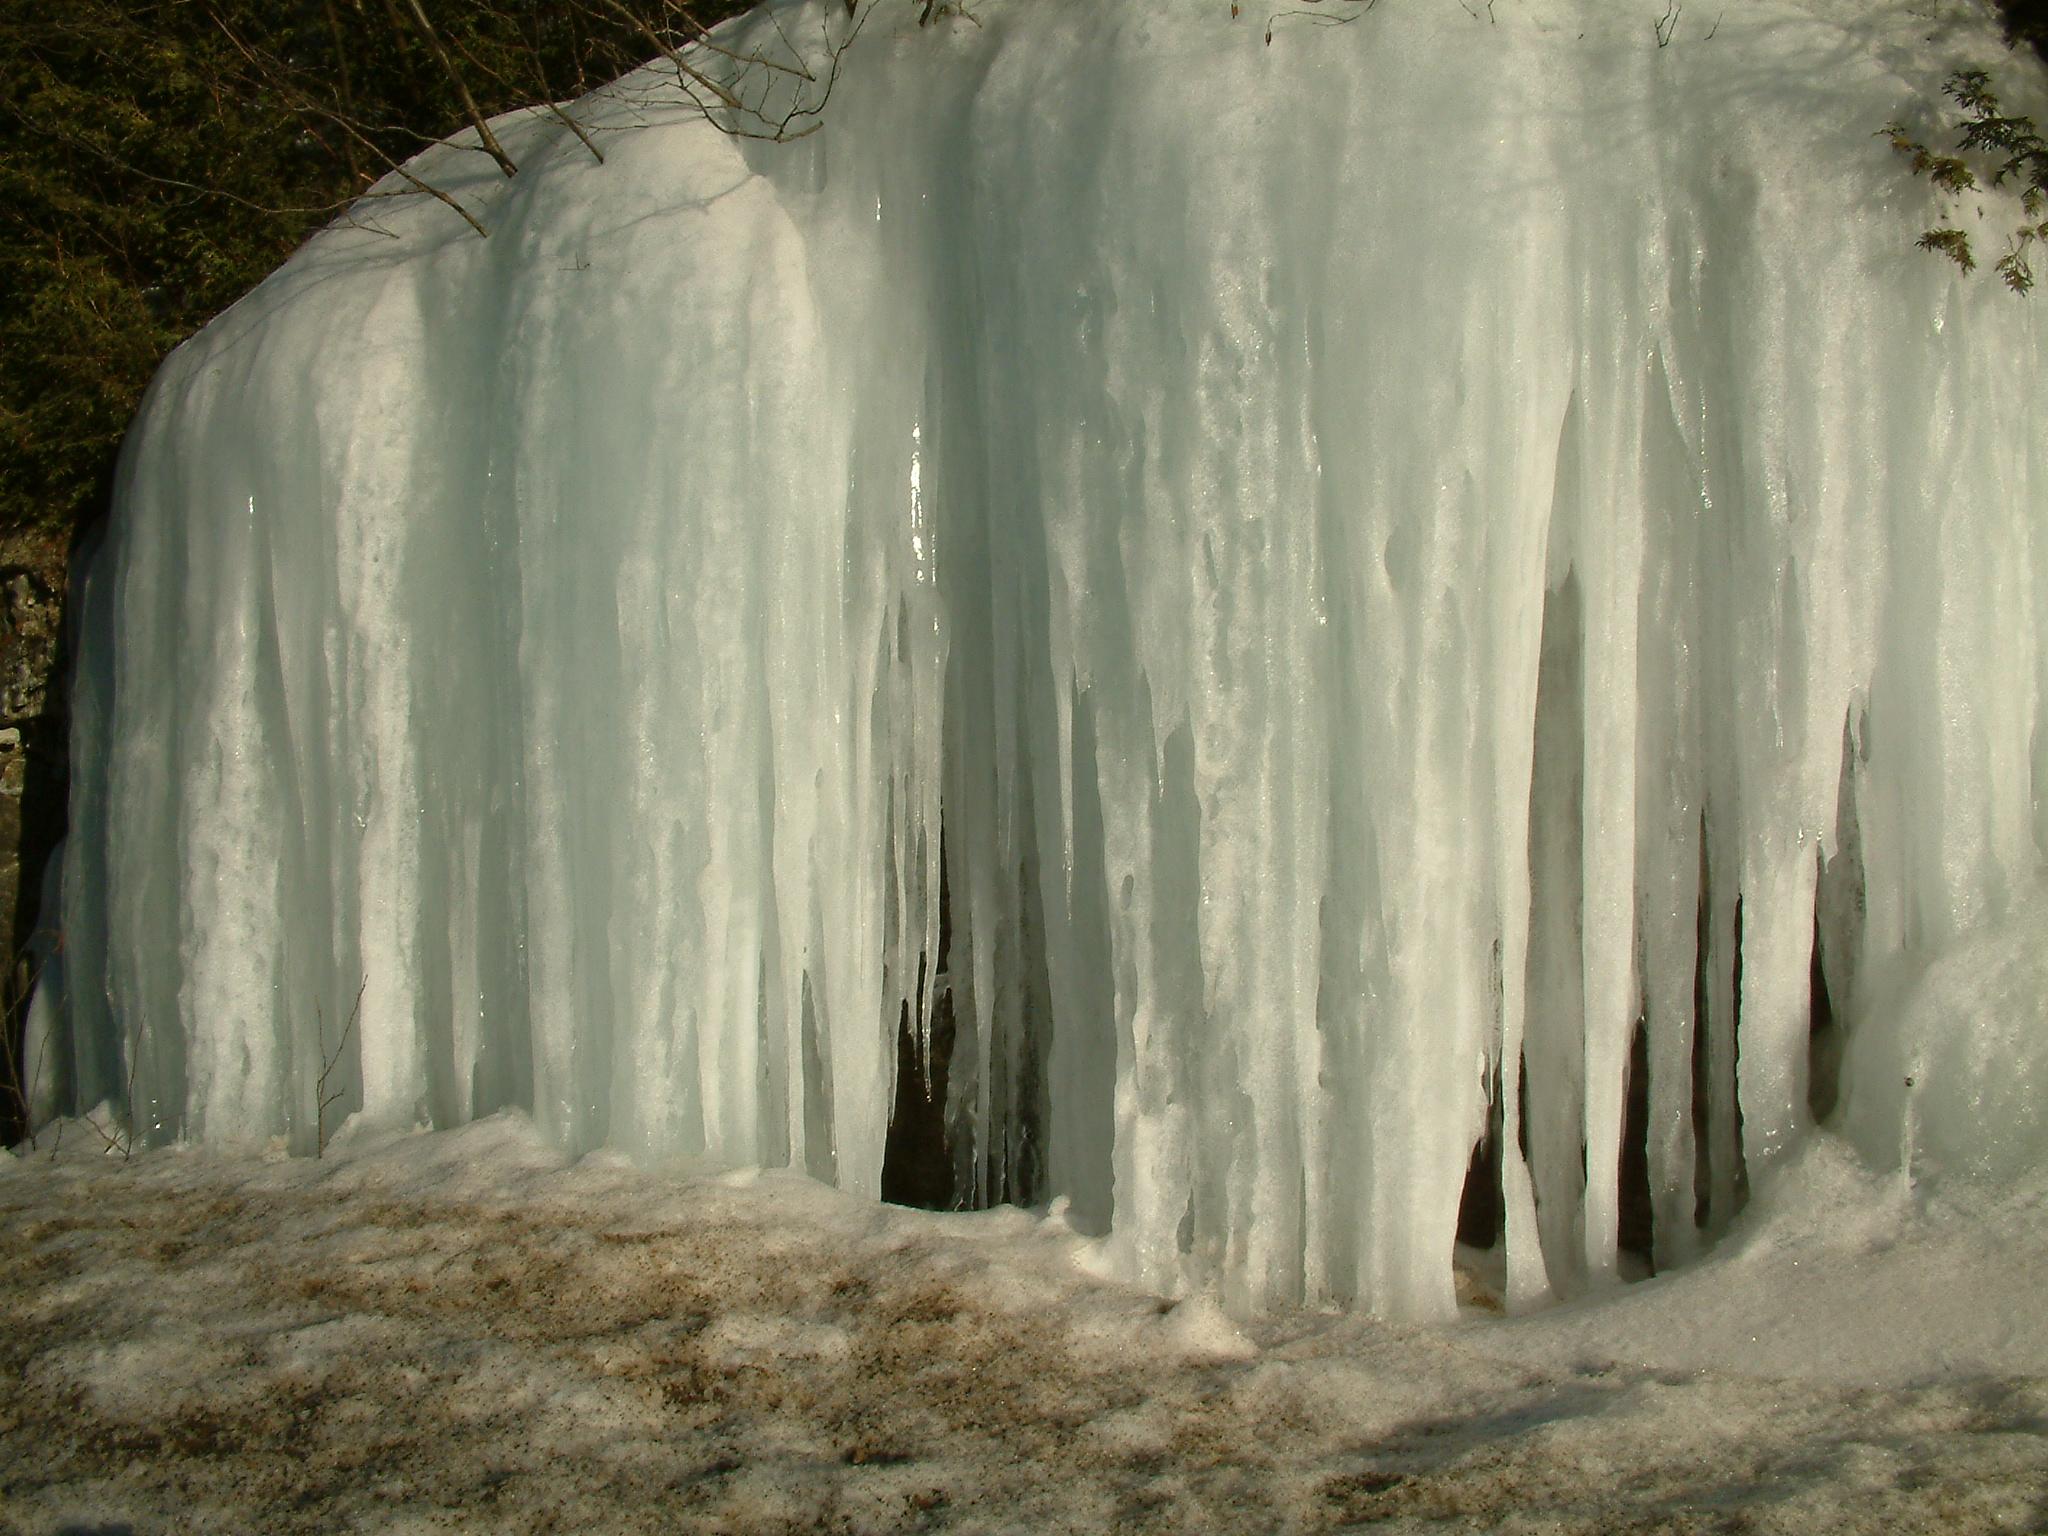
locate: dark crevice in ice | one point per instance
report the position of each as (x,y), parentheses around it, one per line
(929,1159)
(1824,1038)
(1717,1140)
(1740,1169)
(1482,1209)
(1637,1222)
(918,1158)
(917,1162)
(1839,904)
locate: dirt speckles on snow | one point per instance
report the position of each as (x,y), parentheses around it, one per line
(462,1333)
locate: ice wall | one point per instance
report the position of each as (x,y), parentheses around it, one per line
(1409,561)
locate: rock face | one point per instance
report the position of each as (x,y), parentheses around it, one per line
(1400,577)
(34,768)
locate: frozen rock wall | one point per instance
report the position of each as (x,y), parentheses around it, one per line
(1403,559)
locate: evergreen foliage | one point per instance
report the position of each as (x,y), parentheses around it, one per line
(2008,150)
(137,196)
(159,157)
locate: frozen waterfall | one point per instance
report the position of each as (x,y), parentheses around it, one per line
(1413,576)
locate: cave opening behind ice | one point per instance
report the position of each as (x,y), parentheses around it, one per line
(935,1158)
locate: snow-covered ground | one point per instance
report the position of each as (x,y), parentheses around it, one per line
(468,1331)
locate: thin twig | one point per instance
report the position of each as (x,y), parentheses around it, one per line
(552,107)
(322,1099)
(121,1144)
(1326,18)
(101,152)
(476,116)
(128,1092)
(304,103)
(702,39)
(26,983)
(683,70)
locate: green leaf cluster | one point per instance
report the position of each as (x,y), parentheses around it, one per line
(2009,152)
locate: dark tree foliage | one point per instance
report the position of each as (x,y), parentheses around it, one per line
(138,195)
(159,157)
(2026,23)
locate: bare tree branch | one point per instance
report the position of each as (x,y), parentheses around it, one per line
(683,70)
(476,116)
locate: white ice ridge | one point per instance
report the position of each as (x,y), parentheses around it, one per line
(1407,559)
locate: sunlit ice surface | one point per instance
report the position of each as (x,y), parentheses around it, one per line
(1437,602)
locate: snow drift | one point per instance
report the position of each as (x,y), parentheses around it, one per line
(1324,605)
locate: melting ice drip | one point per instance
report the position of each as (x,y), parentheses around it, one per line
(1432,575)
